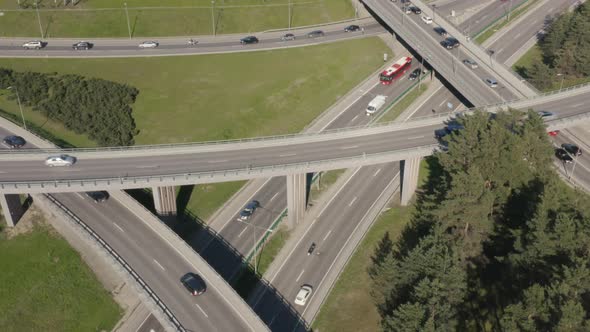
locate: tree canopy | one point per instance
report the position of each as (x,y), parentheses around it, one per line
(98,108)
(497,239)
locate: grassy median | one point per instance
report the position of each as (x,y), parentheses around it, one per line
(151,18)
(349,306)
(45,286)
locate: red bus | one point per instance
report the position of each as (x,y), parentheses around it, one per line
(395,70)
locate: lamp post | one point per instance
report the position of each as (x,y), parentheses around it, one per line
(509,10)
(434,13)
(290,14)
(254,242)
(562,78)
(22,115)
(491,53)
(39,19)
(127,15)
(213,16)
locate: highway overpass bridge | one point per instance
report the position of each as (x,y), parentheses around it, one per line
(163,166)
(448,64)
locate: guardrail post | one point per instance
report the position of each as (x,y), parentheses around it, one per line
(409,169)
(296,198)
(11,208)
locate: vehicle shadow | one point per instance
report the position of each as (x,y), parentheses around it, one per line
(229,263)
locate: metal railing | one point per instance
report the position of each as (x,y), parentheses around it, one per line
(136,277)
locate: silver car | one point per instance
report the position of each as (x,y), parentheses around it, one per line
(470,63)
(34,44)
(149,44)
(491,82)
(61,160)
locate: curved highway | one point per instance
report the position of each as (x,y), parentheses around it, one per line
(119,47)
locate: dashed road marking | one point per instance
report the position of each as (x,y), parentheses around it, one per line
(352,202)
(160,265)
(377,172)
(203,311)
(299,276)
(119,227)
(327,234)
(274,196)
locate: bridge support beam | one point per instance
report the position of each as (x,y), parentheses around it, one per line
(11,208)
(296,198)
(165,201)
(410,169)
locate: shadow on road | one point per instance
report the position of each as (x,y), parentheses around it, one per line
(271,306)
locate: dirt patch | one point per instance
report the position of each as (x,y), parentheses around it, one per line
(31,219)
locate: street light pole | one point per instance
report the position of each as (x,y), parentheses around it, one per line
(127,15)
(254,242)
(509,10)
(289,14)
(22,115)
(434,13)
(213,16)
(562,78)
(39,20)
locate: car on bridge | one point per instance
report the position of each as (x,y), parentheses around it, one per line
(248,211)
(427,19)
(249,40)
(34,44)
(450,43)
(572,149)
(407,10)
(470,63)
(193,283)
(14,142)
(415,10)
(491,82)
(450,128)
(61,160)
(441,31)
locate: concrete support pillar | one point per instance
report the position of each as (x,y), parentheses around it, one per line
(296,200)
(410,169)
(165,201)
(11,208)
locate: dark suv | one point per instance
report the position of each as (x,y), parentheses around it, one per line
(562,155)
(248,211)
(14,142)
(249,40)
(97,196)
(315,33)
(82,45)
(450,43)
(440,31)
(193,283)
(414,75)
(352,28)
(416,10)
(572,149)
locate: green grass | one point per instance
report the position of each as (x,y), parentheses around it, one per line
(213,97)
(107,18)
(499,24)
(534,54)
(404,103)
(268,252)
(349,306)
(45,286)
(324,181)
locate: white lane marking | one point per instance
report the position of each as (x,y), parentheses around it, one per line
(203,311)
(354,118)
(415,137)
(242,232)
(274,196)
(160,265)
(352,202)
(516,36)
(576,105)
(500,51)
(288,155)
(327,234)
(119,227)
(147,166)
(2,172)
(441,103)
(299,276)
(377,172)
(143,322)
(216,161)
(349,147)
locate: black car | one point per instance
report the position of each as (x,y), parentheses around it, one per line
(450,43)
(98,196)
(414,75)
(315,33)
(352,28)
(248,211)
(14,142)
(249,40)
(572,149)
(193,283)
(562,155)
(416,10)
(451,127)
(440,31)
(82,45)
(288,36)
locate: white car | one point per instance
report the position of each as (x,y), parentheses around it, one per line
(427,19)
(61,160)
(34,44)
(303,295)
(149,44)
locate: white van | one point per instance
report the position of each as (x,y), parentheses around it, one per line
(376,104)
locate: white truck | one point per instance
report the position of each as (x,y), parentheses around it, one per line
(376,104)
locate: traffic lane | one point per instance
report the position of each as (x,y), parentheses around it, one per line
(439,102)
(35,170)
(509,43)
(151,324)
(580,168)
(166,48)
(444,7)
(487,16)
(5,133)
(157,263)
